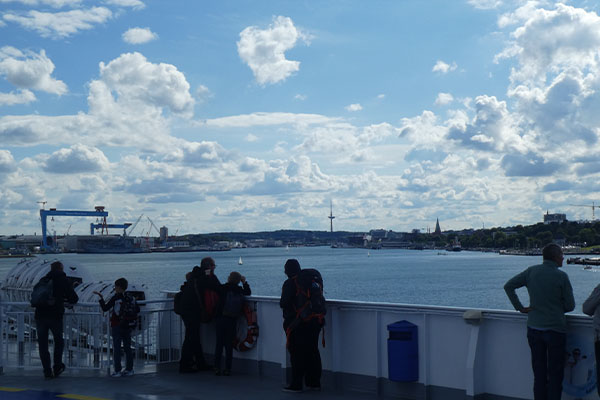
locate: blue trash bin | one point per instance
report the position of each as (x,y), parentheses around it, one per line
(403,352)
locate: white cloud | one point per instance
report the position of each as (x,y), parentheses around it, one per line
(268,119)
(251,138)
(443,68)
(264,50)
(353,107)
(139,36)
(128,106)
(300,97)
(61,24)
(135,4)
(203,93)
(78,158)
(135,80)
(444,99)
(381,96)
(21,97)
(28,70)
(485,4)
(52,3)
(7,162)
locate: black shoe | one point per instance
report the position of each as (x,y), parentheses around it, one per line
(226,372)
(292,389)
(315,388)
(48,374)
(187,370)
(217,371)
(59,370)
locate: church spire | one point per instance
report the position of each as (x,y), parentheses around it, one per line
(438,231)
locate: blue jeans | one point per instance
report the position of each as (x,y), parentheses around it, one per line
(122,335)
(548,362)
(44,325)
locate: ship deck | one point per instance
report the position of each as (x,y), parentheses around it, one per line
(161,383)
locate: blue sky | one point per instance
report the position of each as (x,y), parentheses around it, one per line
(249,116)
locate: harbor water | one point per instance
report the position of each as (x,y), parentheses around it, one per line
(428,277)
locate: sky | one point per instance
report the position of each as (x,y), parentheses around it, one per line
(251,116)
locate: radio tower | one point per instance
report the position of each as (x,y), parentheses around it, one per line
(331,217)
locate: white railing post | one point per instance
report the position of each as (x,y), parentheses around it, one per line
(21,338)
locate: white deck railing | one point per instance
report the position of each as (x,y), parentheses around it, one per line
(487,353)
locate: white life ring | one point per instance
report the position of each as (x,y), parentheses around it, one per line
(247,329)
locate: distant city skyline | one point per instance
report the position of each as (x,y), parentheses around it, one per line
(245,116)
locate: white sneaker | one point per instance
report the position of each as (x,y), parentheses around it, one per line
(116,374)
(127,373)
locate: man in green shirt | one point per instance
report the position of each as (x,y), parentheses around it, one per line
(550,297)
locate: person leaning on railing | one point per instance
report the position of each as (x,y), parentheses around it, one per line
(591,307)
(550,296)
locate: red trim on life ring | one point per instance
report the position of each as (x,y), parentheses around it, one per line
(247,343)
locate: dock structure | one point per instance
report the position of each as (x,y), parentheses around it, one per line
(462,354)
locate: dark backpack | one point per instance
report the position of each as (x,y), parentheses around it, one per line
(234,303)
(178,303)
(43,293)
(310,301)
(128,312)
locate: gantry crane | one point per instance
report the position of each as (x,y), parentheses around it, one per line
(593,207)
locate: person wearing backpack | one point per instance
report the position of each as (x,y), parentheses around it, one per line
(208,288)
(49,311)
(230,309)
(302,322)
(122,319)
(192,356)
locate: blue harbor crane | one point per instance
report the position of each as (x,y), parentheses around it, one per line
(68,213)
(102,226)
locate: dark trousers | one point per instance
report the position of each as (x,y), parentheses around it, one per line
(226,330)
(122,336)
(304,355)
(191,350)
(548,363)
(55,325)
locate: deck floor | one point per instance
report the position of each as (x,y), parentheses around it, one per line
(164,383)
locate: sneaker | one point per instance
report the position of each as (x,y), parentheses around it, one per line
(116,374)
(292,389)
(48,374)
(127,372)
(59,370)
(187,370)
(217,371)
(314,388)
(226,372)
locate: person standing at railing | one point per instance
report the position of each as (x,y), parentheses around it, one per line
(49,317)
(229,310)
(120,304)
(192,356)
(302,330)
(591,307)
(550,297)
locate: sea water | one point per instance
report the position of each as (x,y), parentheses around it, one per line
(428,277)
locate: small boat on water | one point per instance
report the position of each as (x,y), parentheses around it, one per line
(584,261)
(240,262)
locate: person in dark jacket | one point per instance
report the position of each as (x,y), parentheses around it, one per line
(303,339)
(208,286)
(121,333)
(50,318)
(230,308)
(192,356)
